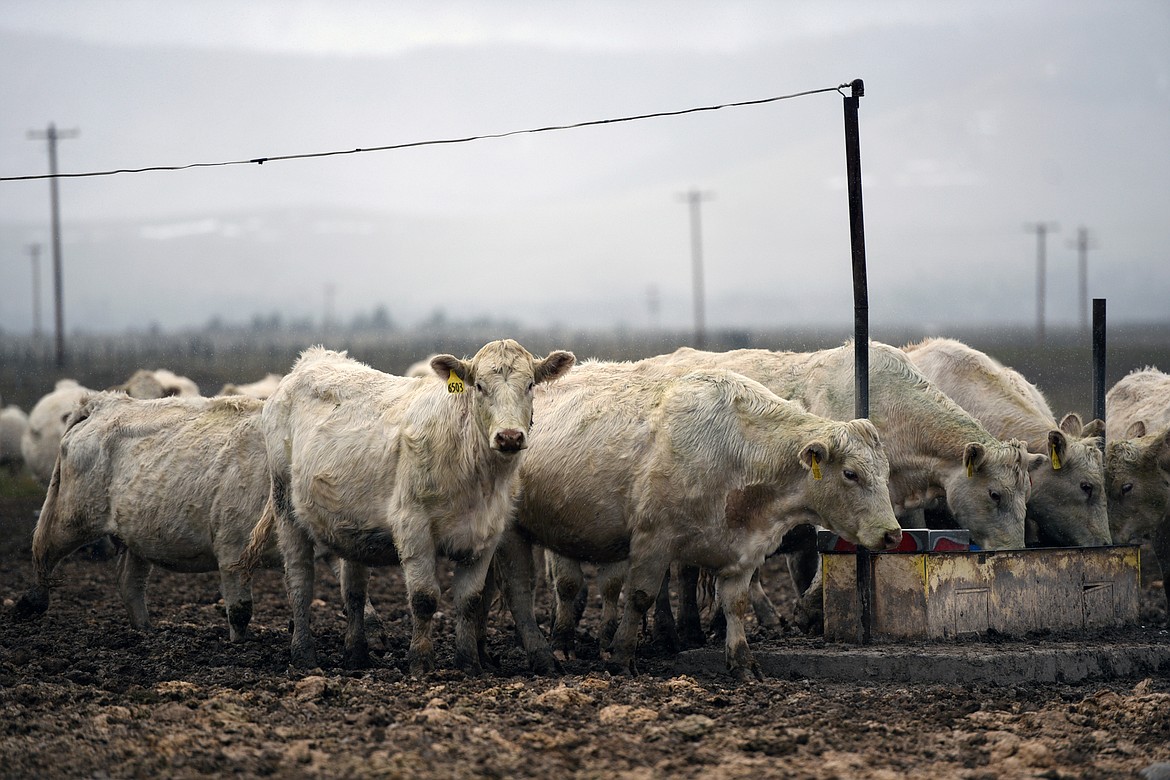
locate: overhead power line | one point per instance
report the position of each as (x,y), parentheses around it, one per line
(433,142)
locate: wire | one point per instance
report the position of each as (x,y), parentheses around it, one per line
(413,144)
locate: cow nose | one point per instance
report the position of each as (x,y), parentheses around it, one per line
(510,440)
(892,539)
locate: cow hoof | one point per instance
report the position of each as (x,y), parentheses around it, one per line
(746,674)
(693,639)
(469,665)
(304,659)
(544,663)
(489,661)
(617,666)
(421,665)
(667,639)
(30,605)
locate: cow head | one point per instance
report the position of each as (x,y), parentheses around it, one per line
(988,490)
(849,488)
(1137,480)
(499,381)
(1068,501)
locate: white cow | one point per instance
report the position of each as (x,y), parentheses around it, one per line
(654,464)
(158,383)
(940,456)
(13,424)
(46,423)
(262,388)
(179,482)
(381,469)
(1137,462)
(1140,396)
(1067,504)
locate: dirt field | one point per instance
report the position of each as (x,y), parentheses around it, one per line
(82,695)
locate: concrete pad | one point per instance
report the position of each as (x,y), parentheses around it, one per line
(998,664)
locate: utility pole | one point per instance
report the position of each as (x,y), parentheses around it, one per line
(34,251)
(695,199)
(52,135)
(653,304)
(1041,230)
(327,319)
(1083,244)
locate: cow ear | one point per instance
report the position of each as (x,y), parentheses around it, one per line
(444,365)
(867,431)
(1163,448)
(554,366)
(813,455)
(1093,428)
(1035,461)
(1057,448)
(973,456)
(1072,424)
(1136,430)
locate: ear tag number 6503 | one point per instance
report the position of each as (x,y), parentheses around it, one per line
(454,383)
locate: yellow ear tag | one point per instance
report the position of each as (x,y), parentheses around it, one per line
(816,468)
(1055,459)
(970,470)
(454,383)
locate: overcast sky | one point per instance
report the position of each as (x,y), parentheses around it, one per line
(979,118)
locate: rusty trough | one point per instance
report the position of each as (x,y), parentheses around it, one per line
(946,595)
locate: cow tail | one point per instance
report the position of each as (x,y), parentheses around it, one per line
(253,554)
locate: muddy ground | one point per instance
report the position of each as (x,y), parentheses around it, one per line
(82,695)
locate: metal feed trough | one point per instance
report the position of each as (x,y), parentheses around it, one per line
(935,587)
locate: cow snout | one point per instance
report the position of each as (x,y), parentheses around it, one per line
(510,440)
(892,539)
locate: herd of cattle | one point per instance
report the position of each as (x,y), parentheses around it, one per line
(696,459)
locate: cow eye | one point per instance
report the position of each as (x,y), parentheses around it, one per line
(1128,486)
(479,387)
(850,475)
(994,495)
(1088,489)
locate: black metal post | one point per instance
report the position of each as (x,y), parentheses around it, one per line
(1099,359)
(860,323)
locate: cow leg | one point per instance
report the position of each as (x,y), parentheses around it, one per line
(567,584)
(643,582)
(1161,544)
(422,589)
(354,583)
(372,619)
(55,537)
(809,611)
(665,633)
(515,571)
(237,598)
(490,591)
(802,566)
(132,574)
(762,606)
(296,548)
(691,632)
(612,577)
(733,592)
(468,593)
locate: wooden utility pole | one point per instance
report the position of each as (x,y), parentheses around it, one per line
(52,135)
(34,251)
(1083,244)
(1041,230)
(695,199)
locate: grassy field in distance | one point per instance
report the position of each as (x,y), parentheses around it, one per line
(1061,367)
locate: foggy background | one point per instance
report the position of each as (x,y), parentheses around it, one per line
(979,119)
